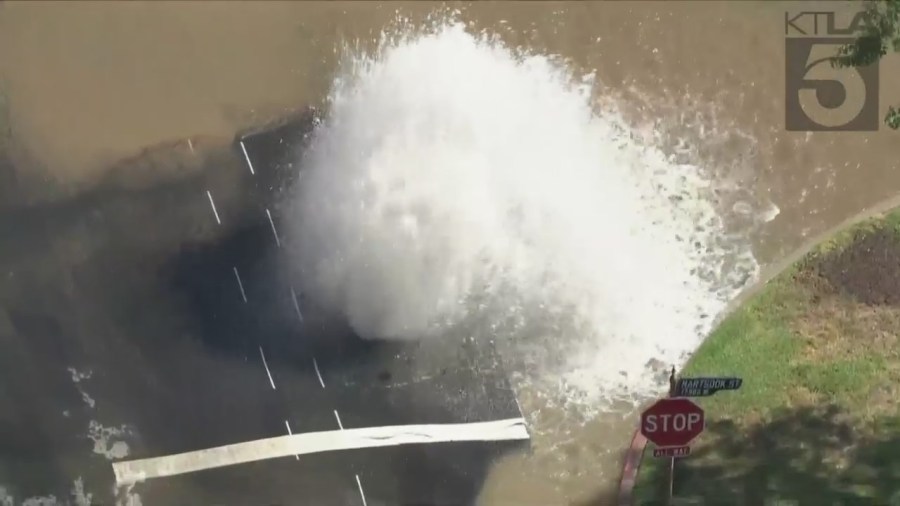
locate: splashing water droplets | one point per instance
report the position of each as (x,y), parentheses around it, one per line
(460,188)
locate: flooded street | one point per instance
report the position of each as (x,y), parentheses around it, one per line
(85,85)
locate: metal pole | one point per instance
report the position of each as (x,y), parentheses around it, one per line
(669,492)
(671,477)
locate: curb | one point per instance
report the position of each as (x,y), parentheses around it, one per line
(633,458)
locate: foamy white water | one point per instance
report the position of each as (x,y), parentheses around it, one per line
(458,188)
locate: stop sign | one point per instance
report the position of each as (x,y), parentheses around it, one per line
(672,422)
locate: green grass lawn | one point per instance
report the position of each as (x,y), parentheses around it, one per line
(817,420)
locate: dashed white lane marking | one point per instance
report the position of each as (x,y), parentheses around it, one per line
(247,157)
(268,373)
(296,305)
(213,205)
(274,232)
(286,424)
(240,285)
(338,418)
(318,373)
(516,397)
(133,471)
(362,495)
(191,145)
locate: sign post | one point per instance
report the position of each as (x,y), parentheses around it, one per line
(673,385)
(673,422)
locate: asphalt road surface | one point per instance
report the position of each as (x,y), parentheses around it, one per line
(145,319)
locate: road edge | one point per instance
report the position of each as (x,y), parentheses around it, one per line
(633,457)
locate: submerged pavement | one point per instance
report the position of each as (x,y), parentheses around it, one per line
(141,320)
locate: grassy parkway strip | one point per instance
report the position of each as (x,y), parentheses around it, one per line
(818,421)
(133,471)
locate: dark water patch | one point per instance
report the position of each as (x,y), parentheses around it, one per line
(133,283)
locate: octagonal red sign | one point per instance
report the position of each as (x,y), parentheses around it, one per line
(672,422)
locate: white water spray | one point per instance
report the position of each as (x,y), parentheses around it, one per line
(456,188)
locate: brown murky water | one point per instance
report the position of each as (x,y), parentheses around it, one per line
(90,83)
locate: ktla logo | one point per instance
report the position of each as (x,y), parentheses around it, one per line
(819,97)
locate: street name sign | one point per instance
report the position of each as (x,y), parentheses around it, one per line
(705,386)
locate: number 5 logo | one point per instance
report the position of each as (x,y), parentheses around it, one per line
(821,98)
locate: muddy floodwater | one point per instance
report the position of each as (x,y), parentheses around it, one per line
(85,85)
